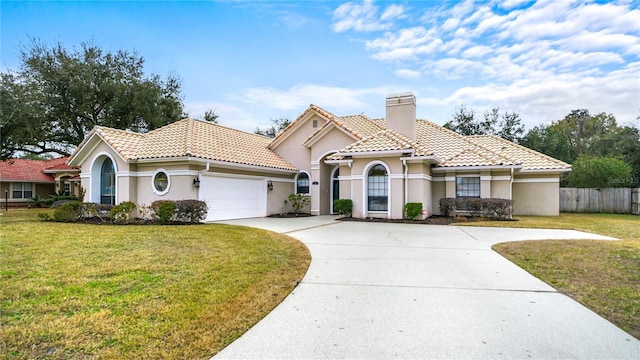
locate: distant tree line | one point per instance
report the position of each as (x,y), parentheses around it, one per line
(602,152)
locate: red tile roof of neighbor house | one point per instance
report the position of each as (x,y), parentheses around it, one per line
(24,170)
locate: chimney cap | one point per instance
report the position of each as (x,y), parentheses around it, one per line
(401,95)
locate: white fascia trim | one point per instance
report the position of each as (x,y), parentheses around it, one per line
(152,173)
(386,153)
(543,171)
(443,179)
(537,180)
(331,125)
(289,181)
(414,159)
(396,176)
(476,168)
(295,125)
(500,178)
(85,151)
(221,164)
(339,162)
(233,176)
(419,177)
(355,177)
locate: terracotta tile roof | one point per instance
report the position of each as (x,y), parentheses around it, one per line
(359,126)
(386,140)
(126,143)
(31,170)
(530,159)
(450,148)
(195,138)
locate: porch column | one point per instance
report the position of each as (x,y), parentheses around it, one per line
(314,188)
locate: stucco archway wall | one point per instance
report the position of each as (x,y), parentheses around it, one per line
(320,188)
(94,190)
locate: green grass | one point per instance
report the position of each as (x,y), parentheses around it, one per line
(602,275)
(103,291)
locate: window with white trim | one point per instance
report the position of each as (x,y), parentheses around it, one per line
(107,183)
(21,190)
(302,183)
(468,187)
(161,182)
(377,189)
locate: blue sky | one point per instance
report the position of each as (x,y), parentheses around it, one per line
(253,61)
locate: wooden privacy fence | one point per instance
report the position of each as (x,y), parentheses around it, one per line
(606,200)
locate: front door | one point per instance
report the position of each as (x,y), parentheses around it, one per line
(335,186)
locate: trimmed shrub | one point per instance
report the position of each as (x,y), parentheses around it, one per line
(123,212)
(164,210)
(68,211)
(91,210)
(412,210)
(191,211)
(343,207)
(500,209)
(447,206)
(298,201)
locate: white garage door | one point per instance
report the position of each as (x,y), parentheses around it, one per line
(233,198)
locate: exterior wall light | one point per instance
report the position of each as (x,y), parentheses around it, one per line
(196,182)
(270,186)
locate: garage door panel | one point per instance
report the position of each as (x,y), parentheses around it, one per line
(233,198)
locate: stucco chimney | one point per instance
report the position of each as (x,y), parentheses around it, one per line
(401,114)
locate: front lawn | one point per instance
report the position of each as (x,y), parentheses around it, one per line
(602,275)
(105,291)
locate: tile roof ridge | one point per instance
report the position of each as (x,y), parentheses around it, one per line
(188,134)
(524,148)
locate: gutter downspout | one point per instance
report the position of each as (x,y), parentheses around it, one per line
(406,181)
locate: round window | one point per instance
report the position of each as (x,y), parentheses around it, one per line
(161,181)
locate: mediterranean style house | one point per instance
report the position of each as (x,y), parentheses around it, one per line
(380,164)
(22,179)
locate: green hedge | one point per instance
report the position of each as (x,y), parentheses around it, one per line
(343,207)
(412,210)
(499,209)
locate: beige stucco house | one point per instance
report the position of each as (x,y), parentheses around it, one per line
(381,164)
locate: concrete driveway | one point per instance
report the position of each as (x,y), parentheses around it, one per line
(379,291)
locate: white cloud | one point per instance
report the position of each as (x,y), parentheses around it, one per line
(407,73)
(365,17)
(300,96)
(537,56)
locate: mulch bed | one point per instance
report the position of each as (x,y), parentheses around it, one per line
(289,215)
(433,220)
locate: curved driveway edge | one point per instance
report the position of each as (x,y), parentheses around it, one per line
(376,290)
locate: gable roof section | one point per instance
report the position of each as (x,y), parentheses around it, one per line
(23,170)
(385,141)
(450,148)
(193,138)
(530,159)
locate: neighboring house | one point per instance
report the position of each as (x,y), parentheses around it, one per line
(381,164)
(21,179)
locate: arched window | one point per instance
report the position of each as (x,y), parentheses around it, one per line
(107,183)
(377,189)
(302,183)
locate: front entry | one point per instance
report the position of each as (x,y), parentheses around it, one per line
(335,187)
